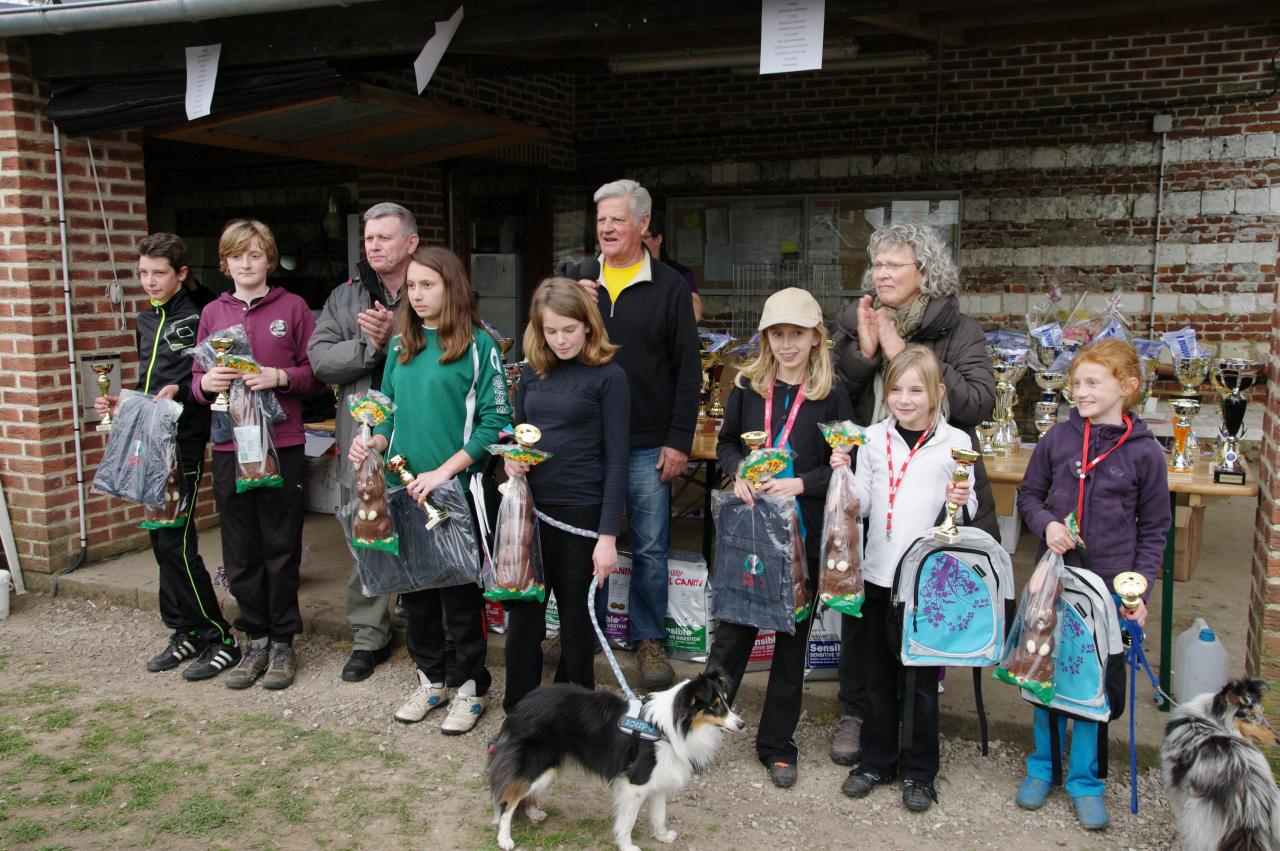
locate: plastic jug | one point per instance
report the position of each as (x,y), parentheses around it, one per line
(1200,666)
(1188,635)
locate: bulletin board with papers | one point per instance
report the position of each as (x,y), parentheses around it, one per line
(713,235)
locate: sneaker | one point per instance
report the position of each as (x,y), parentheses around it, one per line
(253,664)
(1031,793)
(655,670)
(425,698)
(861,781)
(362,662)
(1091,810)
(783,774)
(215,659)
(846,744)
(283,665)
(918,795)
(464,711)
(181,648)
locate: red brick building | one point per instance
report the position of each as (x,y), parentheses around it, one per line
(1037,116)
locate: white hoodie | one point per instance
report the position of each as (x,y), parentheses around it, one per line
(921,494)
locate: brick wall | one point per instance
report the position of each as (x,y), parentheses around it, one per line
(1264,603)
(419,189)
(37,453)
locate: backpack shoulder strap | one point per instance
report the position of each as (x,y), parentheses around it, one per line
(981,709)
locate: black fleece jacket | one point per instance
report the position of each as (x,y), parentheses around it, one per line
(166,337)
(653,323)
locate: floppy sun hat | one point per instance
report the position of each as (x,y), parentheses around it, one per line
(792,306)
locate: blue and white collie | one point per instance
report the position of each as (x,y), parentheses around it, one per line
(1220,785)
(559,725)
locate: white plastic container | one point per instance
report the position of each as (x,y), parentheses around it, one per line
(1200,666)
(1188,635)
(4,594)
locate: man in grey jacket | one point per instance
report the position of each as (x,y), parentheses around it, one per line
(349,348)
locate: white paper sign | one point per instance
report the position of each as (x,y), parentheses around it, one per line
(249,444)
(425,65)
(202,73)
(791,35)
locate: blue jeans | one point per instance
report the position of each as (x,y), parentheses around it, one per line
(1082,763)
(649,527)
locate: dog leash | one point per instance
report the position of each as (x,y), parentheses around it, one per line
(1136,659)
(631,722)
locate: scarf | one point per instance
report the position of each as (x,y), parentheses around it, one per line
(908,317)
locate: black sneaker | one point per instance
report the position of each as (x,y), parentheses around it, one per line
(861,781)
(215,659)
(783,774)
(181,648)
(918,795)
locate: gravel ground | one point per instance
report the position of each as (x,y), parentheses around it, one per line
(730,806)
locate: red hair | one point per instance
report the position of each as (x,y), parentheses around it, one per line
(1118,358)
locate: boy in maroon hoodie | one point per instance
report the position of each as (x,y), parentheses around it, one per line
(261,527)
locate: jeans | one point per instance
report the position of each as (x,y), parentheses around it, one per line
(649,528)
(1082,762)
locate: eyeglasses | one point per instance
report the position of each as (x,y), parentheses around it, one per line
(889,267)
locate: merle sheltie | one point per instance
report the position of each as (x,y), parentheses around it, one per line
(555,726)
(1220,785)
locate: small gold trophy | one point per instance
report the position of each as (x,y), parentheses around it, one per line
(948,532)
(987,431)
(102,369)
(221,344)
(1184,457)
(754,440)
(435,514)
(1130,587)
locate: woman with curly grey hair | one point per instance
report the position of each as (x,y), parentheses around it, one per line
(915,283)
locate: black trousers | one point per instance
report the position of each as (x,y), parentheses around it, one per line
(262,546)
(885,678)
(436,615)
(730,652)
(187,602)
(566,561)
(852,669)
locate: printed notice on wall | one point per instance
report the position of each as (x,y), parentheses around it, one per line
(791,35)
(202,74)
(433,51)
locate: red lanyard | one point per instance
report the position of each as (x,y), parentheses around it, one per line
(894,484)
(791,417)
(1085,465)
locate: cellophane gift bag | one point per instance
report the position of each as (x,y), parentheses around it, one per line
(515,570)
(257,465)
(801,593)
(239,357)
(1028,659)
(840,585)
(141,449)
(754,582)
(371,526)
(174,511)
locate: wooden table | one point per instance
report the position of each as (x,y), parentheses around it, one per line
(1007,471)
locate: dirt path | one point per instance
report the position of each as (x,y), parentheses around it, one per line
(95,752)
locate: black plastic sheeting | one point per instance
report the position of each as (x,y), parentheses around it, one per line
(123,103)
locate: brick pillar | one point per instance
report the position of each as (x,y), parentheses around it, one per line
(37,450)
(1264,603)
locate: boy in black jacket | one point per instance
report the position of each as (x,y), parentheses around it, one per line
(166,336)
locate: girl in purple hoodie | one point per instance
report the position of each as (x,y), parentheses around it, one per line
(261,528)
(1104,465)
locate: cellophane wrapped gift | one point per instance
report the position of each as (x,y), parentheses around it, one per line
(756,555)
(840,585)
(371,526)
(801,594)
(443,557)
(257,465)
(239,357)
(515,571)
(1028,660)
(141,449)
(174,511)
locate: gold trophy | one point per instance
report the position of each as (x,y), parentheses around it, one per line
(221,345)
(1009,369)
(1046,415)
(102,369)
(1149,375)
(753,440)
(1130,587)
(987,431)
(435,514)
(948,532)
(1190,373)
(1184,459)
(1233,378)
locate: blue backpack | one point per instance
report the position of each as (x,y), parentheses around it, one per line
(952,603)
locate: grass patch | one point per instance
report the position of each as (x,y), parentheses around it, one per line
(584,833)
(290,805)
(200,815)
(12,743)
(57,719)
(97,792)
(26,830)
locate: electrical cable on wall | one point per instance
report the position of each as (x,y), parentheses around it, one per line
(115,294)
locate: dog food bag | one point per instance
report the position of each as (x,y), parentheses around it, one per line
(839,563)
(688,606)
(1028,657)
(822,655)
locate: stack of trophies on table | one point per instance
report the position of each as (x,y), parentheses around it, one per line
(1048,352)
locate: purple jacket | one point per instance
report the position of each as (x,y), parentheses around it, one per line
(278,326)
(1126,497)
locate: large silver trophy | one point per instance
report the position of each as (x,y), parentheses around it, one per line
(1233,378)
(1009,366)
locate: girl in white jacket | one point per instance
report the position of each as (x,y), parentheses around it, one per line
(903,480)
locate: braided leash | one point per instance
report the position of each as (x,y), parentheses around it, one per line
(565,527)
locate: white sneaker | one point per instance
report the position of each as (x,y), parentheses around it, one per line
(425,698)
(464,712)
